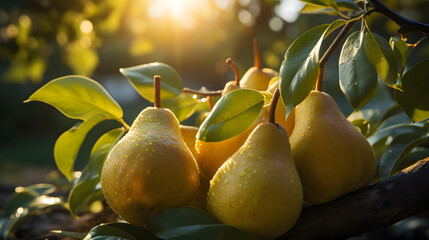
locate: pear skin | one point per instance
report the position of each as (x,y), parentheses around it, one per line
(211,155)
(257,79)
(229,87)
(150,168)
(189,134)
(258,188)
(332,157)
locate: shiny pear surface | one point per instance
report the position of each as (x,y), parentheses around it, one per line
(258,188)
(150,168)
(257,79)
(332,156)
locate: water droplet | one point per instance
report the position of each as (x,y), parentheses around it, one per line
(137,144)
(242,174)
(148,171)
(239,185)
(116,164)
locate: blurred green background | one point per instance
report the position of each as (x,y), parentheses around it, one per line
(41,40)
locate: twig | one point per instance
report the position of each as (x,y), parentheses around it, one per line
(202,93)
(405,25)
(329,51)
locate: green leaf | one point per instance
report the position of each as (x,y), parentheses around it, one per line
(358,78)
(315,7)
(141,77)
(401,161)
(68,144)
(414,97)
(300,68)
(206,232)
(183,105)
(84,189)
(78,97)
(393,152)
(322,3)
(233,114)
(401,51)
(179,217)
(381,56)
(70,234)
(23,204)
(119,231)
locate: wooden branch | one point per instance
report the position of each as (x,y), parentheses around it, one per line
(406,25)
(393,199)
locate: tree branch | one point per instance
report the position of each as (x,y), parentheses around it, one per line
(395,198)
(405,25)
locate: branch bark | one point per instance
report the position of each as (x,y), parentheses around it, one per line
(406,25)
(393,199)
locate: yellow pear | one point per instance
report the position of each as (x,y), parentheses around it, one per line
(332,157)
(256,77)
(258,188)
(211,155)
(189,136)
(288,123)
(150,168)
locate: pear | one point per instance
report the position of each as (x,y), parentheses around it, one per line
(256,77)
(150,168)
(332,156)
(189,136)
(288,123)
(211,155)
(258,188)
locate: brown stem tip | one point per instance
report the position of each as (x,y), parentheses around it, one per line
(272,113)
(157,86)
(234,68)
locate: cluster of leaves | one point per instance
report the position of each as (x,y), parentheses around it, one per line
(194,224)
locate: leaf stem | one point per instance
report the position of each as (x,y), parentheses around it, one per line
(157,85)
(234,68)
(272,112)
(257,54)
(329,52)
(202,93)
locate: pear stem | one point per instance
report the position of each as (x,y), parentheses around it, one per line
(157,85)
(211,102)
(202,93)
(234,68)
(257,54)
(329,52)
(126,126)
(272,113)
